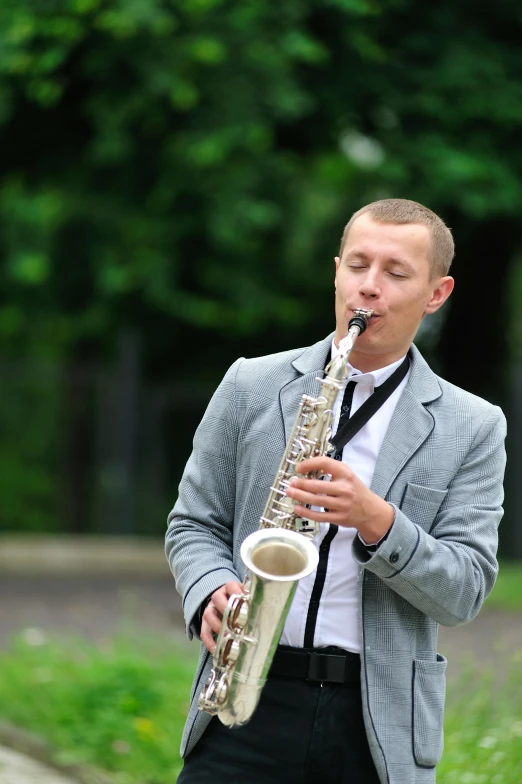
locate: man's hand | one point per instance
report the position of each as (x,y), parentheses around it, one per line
(213,614)
(349,502)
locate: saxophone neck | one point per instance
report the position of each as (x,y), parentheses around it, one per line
(356,326)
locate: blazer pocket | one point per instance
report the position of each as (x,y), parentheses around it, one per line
(421,504)
(429,693)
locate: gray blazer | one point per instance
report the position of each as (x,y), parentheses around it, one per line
(441,466)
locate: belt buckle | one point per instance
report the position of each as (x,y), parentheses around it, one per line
(326,667)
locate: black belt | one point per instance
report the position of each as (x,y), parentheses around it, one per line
(317,664)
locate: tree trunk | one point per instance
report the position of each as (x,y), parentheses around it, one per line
(77,445)
(473,347)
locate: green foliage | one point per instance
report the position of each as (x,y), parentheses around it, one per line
(171,148)
(483,730)
(122,707)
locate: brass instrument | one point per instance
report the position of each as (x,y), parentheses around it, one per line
(276,556)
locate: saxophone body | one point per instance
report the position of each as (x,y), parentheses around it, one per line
(277,556)
(253,622)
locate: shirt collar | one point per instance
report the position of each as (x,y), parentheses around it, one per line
(372,379)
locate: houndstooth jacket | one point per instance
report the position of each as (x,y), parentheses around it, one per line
(441,466)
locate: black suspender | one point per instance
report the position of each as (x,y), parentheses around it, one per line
(349,426)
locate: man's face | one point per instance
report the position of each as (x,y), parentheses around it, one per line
(385,268)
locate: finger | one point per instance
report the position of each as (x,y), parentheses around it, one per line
(219,600)
(326,465)
(321,501)
(304,498)
(220,597)
(233,586)
(315,486)
(331,516)
(207,637)
(213,617)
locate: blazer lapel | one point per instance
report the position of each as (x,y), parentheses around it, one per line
(310,366)
(410,425)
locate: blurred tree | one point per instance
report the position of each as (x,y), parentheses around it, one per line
(197,158)
(184,168)
(158,149)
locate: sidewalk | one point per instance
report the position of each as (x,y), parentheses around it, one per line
(91,586)
(16,768)
(27,759)
(34,554)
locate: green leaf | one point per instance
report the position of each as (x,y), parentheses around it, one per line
(207,50)
(46,92)
(30,268)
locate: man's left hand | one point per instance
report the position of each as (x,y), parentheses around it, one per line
(349,503)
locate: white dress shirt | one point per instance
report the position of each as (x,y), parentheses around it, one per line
(338,615)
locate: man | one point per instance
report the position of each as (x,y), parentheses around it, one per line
(408,530)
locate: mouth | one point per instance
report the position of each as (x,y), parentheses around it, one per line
(373,318)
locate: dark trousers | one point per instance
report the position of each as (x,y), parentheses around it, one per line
(301,733)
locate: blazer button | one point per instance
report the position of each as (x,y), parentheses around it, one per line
(394,557)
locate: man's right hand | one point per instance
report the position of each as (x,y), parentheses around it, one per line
(213,614)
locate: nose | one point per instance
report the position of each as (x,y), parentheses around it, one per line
(369,287)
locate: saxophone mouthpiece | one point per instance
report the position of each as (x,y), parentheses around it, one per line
(360,319)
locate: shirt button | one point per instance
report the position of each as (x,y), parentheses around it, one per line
(394,557)
(314,604)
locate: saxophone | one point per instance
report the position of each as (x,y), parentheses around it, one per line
(276,556)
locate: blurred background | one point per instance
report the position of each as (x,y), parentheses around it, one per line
(175,176)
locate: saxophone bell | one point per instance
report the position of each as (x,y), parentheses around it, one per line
(252,623)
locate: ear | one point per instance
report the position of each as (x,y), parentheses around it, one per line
(337,262)
(441,292)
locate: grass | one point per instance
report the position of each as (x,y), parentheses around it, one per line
(120,707)
(507,593)
(483,729)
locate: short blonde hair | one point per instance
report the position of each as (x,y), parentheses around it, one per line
(402,211)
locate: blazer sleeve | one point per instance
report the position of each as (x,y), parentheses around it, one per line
(448,572)
(199,539)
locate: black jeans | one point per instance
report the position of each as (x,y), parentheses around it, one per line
(301,733)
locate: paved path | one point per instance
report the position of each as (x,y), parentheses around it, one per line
(94,606)
(15,768)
